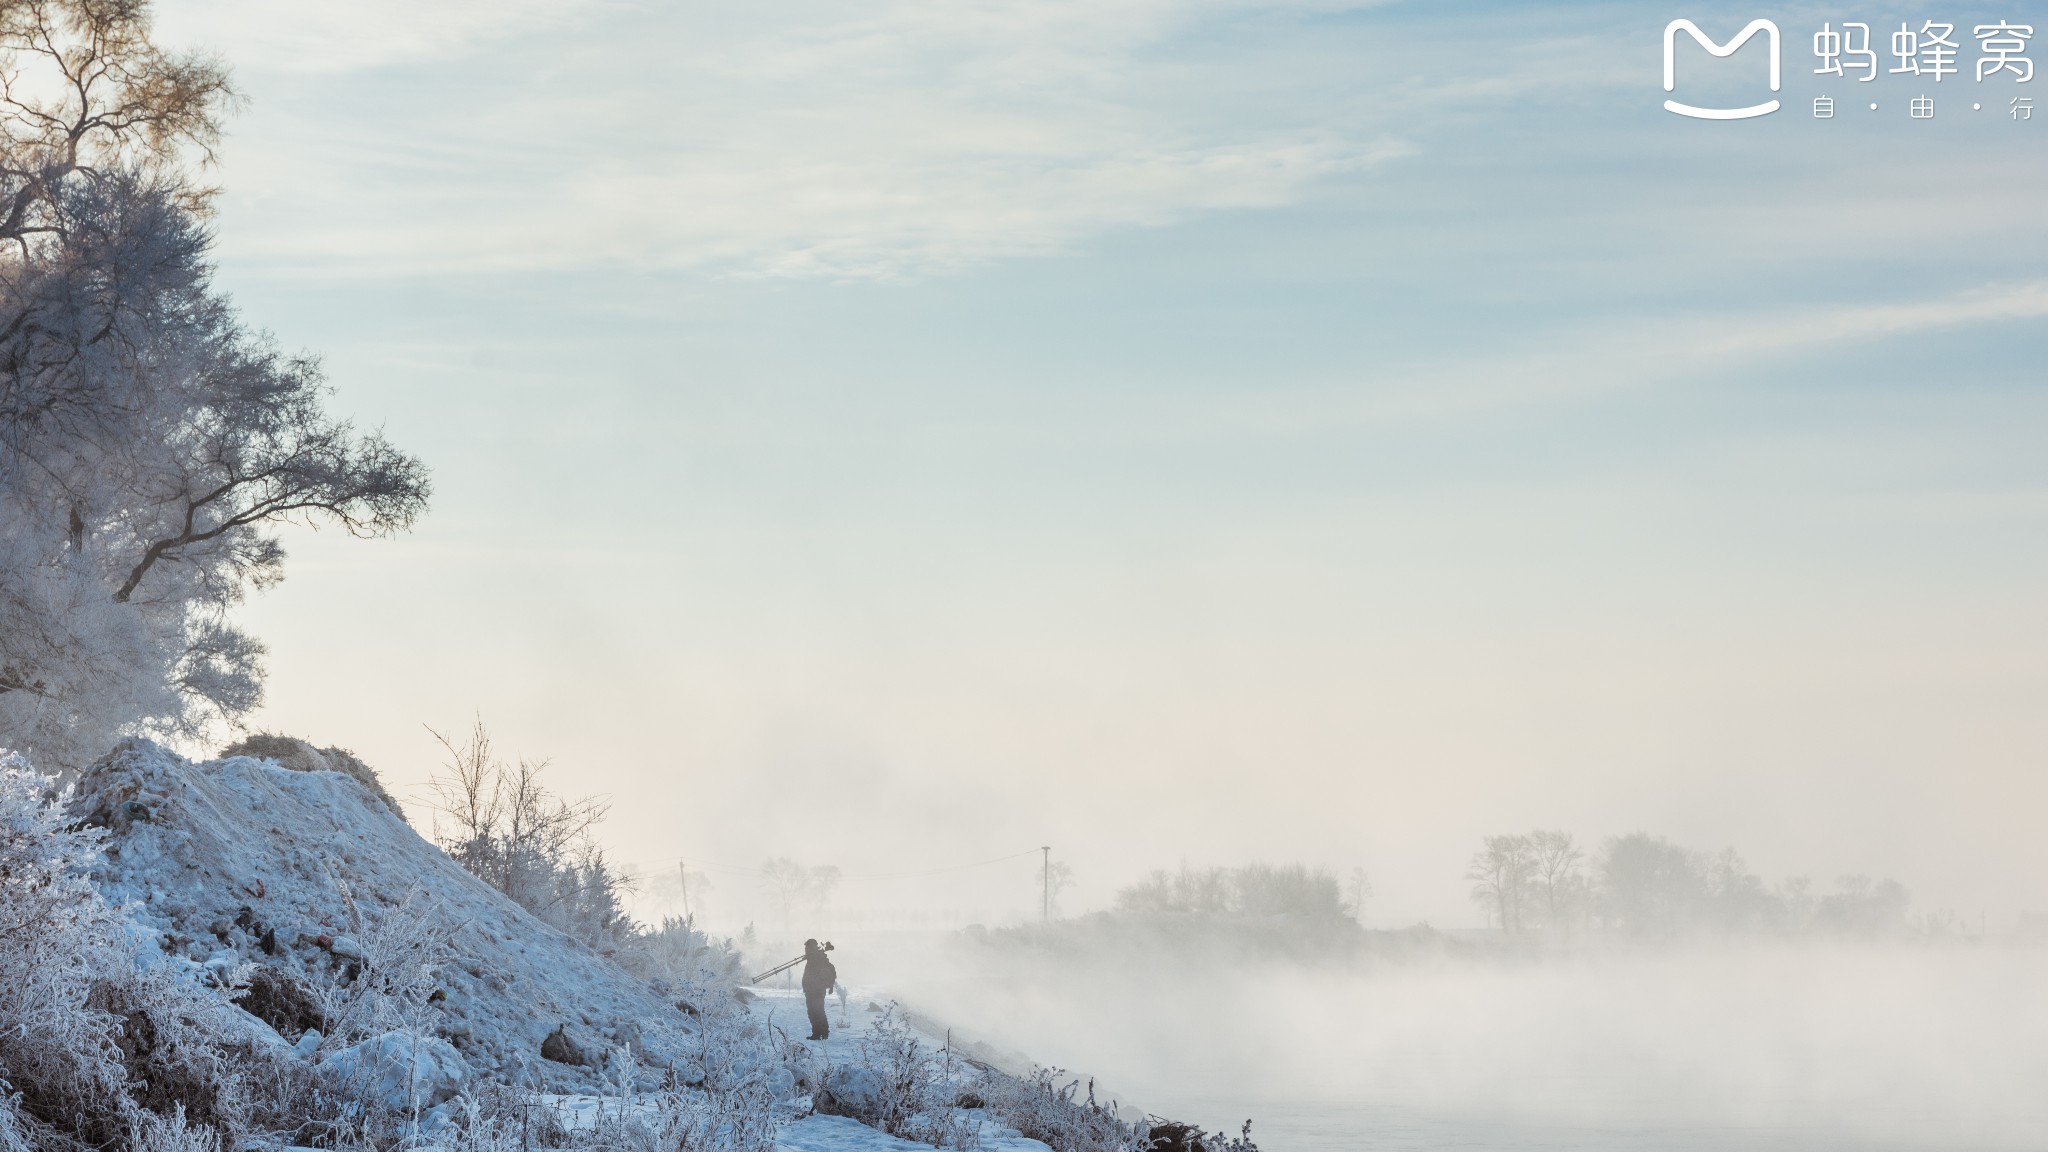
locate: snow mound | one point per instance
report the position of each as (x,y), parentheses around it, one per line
(300,756)
(403,1073)
(240,861)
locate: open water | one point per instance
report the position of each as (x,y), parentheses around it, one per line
(1713,1049)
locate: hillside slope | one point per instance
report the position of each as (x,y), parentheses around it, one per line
(241,860)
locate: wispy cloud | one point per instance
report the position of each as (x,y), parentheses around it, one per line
(359,35)
(785,139)
(1617,355)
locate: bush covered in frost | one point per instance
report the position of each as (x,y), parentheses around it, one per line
(102,1043)
(108,1043)
(1059,1115)
(680,953)
(732,1086)
(903,1087)
(1044,1109)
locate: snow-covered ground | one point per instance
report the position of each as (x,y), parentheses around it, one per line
(777,1005)
(840,1134)
(853,1026)
(242,861)
(853,1021)
(237,865)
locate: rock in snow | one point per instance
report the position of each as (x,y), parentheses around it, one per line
(848,1090)
(562,1050)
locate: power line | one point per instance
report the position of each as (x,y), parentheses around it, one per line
(951,868)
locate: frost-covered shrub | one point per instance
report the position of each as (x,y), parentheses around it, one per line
(98,1038)
(742,1077)
(1171,1136)
(379,1067)
(492,1118)
(902,1086)
(183,1045)
(1040,1107)
(682,1122)
(679,953)
(512,833)
(172,1134)
(282,1000)
(57,1049)
(730,1088)
(389,982)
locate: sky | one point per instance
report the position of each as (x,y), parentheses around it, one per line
(905,434)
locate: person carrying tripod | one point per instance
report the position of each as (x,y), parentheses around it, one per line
(819,977)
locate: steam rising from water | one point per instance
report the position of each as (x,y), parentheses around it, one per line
(1720,1046)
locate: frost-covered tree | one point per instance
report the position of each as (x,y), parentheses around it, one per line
(1252,890)
(510,831)
(794,884)
(1500,872)
(1357,890)
(686,890)
(1862,906)
(1554,858)
(1738,899)
(1650,886)
(1055,878)
(150,444)
(1187,892)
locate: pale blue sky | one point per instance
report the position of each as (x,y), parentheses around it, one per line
(1210,429)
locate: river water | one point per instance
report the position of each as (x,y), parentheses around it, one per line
(1325,1124)
(1728,1048)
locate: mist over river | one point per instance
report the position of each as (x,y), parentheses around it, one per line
(1718,1046)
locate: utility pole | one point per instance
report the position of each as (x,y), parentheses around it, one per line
(683,867)
(1045,911)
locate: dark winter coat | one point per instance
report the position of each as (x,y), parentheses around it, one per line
(819,974)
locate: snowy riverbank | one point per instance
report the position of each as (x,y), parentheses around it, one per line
(854,1043)
(335,980)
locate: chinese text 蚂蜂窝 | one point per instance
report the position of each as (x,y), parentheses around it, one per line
(1932,50)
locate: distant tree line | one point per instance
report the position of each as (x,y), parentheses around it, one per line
(1644,885)
(1256,890)
(1245,911)
(795,886)
(1540,885)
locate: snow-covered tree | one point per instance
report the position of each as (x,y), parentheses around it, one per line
(1650,886)
(1055,877)
(1500,872)
(1554,858)
(793,885)
(149,442)
(1256,890)
(512,833)
(1357,890)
